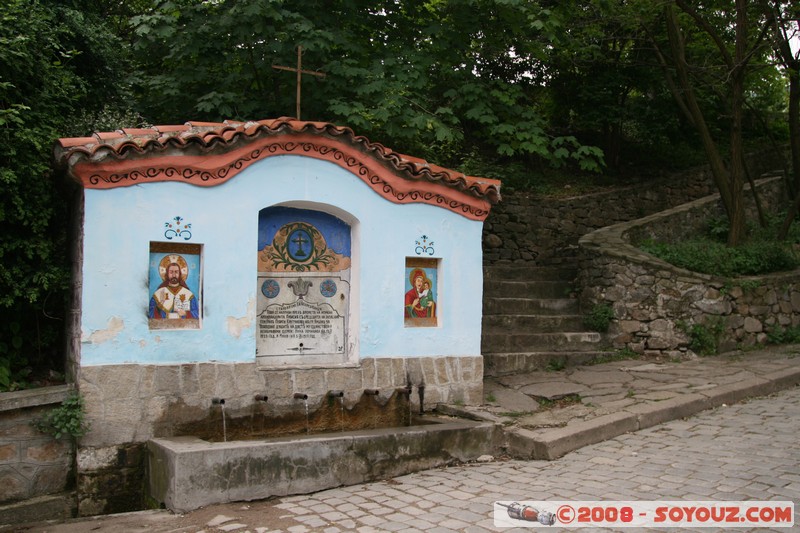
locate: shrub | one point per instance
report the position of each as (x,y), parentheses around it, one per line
(780,335)
(704,338)
(13,363)
(599,318)
(711,257)
(68,419)
(709,254)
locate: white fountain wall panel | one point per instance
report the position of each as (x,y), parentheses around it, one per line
(121,223)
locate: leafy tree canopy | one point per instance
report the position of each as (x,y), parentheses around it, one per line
(500,88)
(55,59)
(432,77)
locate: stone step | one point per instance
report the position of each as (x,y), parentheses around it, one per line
(512,272)
(527,289)
(521,306)
(579,341)
(503,364)
(56,507)
(531,323)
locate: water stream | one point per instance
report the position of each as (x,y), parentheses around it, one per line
(308,429)
(341,401)
(224,427)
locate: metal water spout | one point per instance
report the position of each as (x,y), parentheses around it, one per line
(371,392)
(261,397)
(304,397)
(221,403)
(335,393)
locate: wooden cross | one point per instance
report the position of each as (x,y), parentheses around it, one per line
(299,70)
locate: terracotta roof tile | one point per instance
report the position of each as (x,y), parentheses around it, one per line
(171,128)
(197,138)
(193,124)
(146,132)
(110,135)
(77,141)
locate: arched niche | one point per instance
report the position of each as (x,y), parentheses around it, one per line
(305,287)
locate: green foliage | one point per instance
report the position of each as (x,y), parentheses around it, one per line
(565,401)
(760,254)
(13,364)
(718,229)
(515,414)
(107,118)
(67,419)
(421,77)
(599,318)
(781,335)
(557,364)
(704,337)
(711,257)
(747,285)
(501,88)
(54,60)
(623,354)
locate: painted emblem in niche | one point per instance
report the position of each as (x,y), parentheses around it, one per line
(270,288)
(420,301)
(300,247)
(307,254)
(328,288)
(174,285)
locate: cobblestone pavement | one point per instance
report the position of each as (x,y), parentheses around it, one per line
(747,451)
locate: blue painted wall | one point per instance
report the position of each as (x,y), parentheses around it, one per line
(120,224)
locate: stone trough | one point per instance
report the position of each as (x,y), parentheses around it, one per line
(186,473)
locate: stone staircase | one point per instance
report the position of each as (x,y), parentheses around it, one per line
(532,321)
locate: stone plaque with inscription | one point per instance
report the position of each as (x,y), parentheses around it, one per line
(307,324)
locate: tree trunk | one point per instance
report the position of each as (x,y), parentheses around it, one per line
(762,218)
(791,66)
(722,177)
(737,171)
(794,120)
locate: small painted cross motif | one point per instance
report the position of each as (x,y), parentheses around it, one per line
(297,239)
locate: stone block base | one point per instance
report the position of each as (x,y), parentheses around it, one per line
(110,479)
(127,405)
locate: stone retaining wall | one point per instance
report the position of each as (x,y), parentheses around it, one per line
(32,463)
(656,304)
(545,231)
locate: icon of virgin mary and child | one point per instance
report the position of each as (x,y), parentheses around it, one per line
(419,301)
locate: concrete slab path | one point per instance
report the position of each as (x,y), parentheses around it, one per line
(588,404)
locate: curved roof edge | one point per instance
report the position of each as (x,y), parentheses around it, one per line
(208,154)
